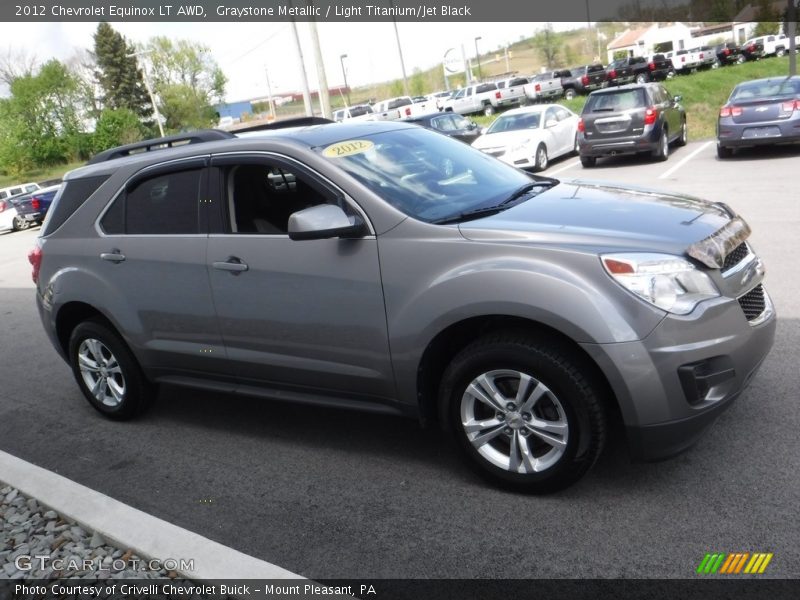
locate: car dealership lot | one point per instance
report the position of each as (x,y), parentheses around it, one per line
(339,494)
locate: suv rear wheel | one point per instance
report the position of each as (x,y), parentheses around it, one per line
(588,161)
(107,372)
(661,153)
(523,412)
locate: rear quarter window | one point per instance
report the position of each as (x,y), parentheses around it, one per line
(69,198)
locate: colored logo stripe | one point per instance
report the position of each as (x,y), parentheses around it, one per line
(734,563)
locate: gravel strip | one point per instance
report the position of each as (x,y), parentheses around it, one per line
(28,530)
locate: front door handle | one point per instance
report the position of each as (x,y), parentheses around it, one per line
(116,256)
(233,264)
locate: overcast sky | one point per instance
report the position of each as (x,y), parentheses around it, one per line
(245,51)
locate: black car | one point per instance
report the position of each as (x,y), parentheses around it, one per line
(630,119)
(638,69)
(728,54)
(759,112)
(753,50)
(583,79)
(450,124)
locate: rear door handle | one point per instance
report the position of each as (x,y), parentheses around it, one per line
(115,256)
(233,264)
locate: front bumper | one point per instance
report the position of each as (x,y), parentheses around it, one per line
(673,384)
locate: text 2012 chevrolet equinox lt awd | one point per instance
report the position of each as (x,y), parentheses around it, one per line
(384,267)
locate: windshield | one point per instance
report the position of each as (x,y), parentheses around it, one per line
(766,88)
(515,122)
(424,174)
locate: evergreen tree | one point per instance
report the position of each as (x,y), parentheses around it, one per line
(119,74)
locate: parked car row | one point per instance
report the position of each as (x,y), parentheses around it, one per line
(25,210)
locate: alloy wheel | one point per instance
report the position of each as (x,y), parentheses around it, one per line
(514,421)
(101,372)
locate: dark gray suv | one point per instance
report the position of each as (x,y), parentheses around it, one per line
(630,119)
(383,267)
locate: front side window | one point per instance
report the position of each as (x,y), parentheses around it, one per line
(260,197)
(162,204)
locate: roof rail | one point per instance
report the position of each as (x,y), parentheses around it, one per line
(170,141)
(284,123)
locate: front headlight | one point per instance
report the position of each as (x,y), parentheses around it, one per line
(668,282)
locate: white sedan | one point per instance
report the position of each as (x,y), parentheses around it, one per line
(529,137)
(7,215)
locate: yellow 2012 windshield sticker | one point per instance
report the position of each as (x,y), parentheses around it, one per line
(347,148)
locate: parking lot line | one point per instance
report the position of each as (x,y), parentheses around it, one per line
(565,168)
(684,160)
(127,527)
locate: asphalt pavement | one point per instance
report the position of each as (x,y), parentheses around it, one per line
(328,493)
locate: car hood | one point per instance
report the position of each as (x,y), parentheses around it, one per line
(603,215)
(505,139)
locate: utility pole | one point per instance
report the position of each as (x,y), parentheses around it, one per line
(400,52)
(322,79)
(306,91)
(344,74)
(791,31)
(269,92)
(478,57)
(146,79)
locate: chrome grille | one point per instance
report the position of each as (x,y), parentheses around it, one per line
(736,256)
(753,303)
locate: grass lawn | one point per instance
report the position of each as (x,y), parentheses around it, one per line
(39,174)
(703,92)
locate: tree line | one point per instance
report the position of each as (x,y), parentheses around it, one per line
(60,112)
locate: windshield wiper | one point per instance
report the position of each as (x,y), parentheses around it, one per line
(485,211)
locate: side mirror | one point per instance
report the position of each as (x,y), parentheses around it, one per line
(484,130)
(322,222)
(677,99)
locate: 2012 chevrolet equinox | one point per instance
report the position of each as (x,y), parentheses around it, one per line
(384,267)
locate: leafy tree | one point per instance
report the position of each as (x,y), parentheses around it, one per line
(40,123)
(546,43)
(118,73)
(417,84)
(187,81)
(768,19)
(115,128)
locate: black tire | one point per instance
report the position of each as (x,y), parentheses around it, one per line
(661,153)
(724,152)
(569,94)
(541,159)
(20,224)
(741,59)
(642,78)
(488,110)
(684,135)
(780,52)
(136,392)
(588,161)
(576,149)
(573,401)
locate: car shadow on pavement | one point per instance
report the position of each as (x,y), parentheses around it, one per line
(630,160)
(764,153)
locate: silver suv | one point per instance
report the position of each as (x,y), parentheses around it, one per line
(384,267)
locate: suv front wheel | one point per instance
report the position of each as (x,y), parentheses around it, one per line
(524,414)
(107,372)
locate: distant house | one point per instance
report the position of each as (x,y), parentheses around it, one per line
(744,23)
(234,110)
(658,37)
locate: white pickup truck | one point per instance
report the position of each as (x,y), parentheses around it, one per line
(481,97)
(545,86)
(402,108)
(774,45)
(512,91)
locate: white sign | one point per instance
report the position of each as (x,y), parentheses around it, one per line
(452,62)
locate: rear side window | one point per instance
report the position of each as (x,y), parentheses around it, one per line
(69,198)
(167,203)
(485,87)
(595,68)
